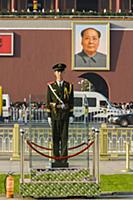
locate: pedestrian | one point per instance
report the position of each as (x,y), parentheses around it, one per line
(60,112)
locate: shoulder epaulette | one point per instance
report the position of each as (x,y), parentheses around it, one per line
(50,82)
(68,82)
(71,83)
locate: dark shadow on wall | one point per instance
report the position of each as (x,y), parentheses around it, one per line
(115,45)
(98,82)
(17,45)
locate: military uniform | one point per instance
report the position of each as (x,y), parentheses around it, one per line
(60,108)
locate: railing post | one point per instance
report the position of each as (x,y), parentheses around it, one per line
(94,154)
(127,156)
(50,153)
(128,169)
(16,143)
(22,155)
(97,154)
(103,142)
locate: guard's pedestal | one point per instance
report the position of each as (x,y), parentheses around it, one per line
(60,183)
(59,165)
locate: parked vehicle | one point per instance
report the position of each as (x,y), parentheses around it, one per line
(122,120)
(6,113)
(98,105)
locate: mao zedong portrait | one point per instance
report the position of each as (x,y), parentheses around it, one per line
(89,56)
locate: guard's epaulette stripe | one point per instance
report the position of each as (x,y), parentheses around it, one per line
(70,88)
(50,82)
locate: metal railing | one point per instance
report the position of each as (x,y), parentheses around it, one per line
(6,136)
(21,115)
(39,115)
(61,14)
(112,140)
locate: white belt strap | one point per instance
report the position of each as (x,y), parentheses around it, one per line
(55,94)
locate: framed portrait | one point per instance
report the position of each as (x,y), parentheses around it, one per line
(90,46)
(6,44)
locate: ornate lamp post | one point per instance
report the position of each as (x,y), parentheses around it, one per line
(86,85)
(35,5)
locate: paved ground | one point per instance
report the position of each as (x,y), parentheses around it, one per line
(105,167)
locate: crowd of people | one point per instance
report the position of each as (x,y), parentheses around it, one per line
(20,111)
(23,112)
(125,107)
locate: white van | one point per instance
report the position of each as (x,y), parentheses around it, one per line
(97,104)
(6,106)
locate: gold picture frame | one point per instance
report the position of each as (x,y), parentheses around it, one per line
(83,35)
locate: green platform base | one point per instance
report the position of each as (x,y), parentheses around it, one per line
(60,183)
(48,190)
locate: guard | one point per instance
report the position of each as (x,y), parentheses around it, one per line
(60,102)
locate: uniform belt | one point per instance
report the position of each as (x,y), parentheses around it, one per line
(62,106)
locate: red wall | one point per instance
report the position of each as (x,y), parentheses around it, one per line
(36,51)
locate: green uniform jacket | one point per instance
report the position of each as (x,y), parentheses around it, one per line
(54,106)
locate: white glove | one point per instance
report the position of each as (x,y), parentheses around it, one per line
(63,106)
(70,120)
(49,121)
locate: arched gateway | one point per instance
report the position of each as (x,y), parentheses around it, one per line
(98,83)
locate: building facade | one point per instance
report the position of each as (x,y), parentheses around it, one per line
(40,44)
(67,5)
